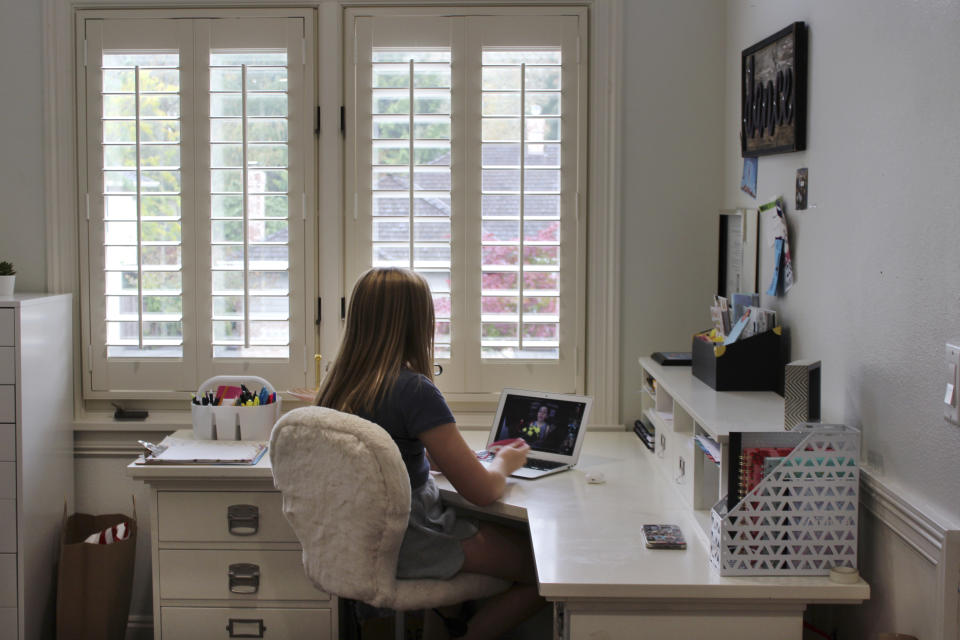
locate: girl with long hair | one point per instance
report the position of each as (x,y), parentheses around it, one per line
(384,373)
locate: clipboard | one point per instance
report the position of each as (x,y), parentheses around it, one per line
(180,451)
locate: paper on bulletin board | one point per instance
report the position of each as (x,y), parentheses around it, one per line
(738,268)
(776,235)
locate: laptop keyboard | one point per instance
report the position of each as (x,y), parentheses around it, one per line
(543,465)
(536,465)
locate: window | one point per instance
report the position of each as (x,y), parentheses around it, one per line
(465,163)
(198,178)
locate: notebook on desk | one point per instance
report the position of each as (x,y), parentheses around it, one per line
(553,424)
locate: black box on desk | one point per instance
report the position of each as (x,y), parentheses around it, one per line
(749,364)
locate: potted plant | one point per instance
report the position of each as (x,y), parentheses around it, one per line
(7,276)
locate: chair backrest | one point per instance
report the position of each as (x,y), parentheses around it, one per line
(346,493)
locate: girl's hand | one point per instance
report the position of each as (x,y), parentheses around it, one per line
(513,456)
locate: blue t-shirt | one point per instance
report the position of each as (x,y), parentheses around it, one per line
(413,405)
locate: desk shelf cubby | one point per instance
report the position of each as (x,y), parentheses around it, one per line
(679,407)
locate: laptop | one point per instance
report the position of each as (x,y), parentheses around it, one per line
(553,424)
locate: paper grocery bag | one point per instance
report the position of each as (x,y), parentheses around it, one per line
(94,581)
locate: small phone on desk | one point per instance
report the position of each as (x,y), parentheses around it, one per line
(663,536)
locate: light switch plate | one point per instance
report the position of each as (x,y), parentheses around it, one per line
(951,395)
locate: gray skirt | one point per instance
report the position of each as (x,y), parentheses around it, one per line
(431,545)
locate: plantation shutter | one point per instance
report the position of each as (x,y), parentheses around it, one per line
(140,182)
(198,138)
(473,181)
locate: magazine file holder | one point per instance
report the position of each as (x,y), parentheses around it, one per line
(801,519)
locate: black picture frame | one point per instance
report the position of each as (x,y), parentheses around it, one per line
(773,93)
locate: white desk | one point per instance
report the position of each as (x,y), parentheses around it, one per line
(589,553)
(590,556)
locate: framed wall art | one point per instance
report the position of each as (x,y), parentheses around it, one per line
(773,93)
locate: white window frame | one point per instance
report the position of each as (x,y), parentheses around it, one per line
(602,357)
(469,378)
(172,380)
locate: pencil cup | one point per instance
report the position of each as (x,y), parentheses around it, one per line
(234,422)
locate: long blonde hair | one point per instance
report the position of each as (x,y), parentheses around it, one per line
(390,325)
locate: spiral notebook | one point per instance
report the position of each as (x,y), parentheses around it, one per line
(749,453)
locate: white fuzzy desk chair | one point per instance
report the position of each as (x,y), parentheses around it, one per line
(346,493)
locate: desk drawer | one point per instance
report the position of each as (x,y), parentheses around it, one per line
(194,623)
(7,335)
(253,516)
(8,480)
(8,527)
(8,403)
(8,365)
(8,580)
(206,575)
(8,622)
(8,442)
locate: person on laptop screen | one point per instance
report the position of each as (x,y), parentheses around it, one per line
(384,373)
(546,426)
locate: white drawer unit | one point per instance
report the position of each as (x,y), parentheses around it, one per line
(8,365)
(188,623)
(7,327)
(8,526)
(8,579)
(234,574)
(253,516)
(8,403)
(8,622)
(8,480)
(226,563)
(8,442)
(36,455)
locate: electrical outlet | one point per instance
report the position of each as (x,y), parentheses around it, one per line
(951,401)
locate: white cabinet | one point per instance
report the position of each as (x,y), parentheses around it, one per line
(225,561)
(36,456)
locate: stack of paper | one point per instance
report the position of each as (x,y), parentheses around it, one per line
(709,447)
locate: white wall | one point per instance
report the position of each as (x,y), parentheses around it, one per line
(672,151)
(22,231)
(877,291)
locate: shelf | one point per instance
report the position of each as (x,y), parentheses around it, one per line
(717,412)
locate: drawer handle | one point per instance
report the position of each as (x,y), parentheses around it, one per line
(242,623)
(243,519)
(243,577)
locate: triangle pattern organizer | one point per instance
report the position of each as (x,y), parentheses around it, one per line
(801,519)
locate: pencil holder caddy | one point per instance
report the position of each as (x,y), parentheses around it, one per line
(801,519)
(231,422)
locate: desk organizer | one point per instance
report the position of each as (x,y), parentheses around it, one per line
(230,422)
(801,519)
(749,364)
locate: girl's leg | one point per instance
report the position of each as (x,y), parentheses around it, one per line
(504,553)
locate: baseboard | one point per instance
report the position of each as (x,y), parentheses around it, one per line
(139,627)
(933,538)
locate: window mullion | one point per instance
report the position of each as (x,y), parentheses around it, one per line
(410,165)
(244,197)
(523,131)
(136,134)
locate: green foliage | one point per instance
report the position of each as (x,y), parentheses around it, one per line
(6,269)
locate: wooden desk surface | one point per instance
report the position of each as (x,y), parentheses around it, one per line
(586,537)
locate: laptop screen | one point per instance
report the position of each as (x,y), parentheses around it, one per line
(548,425)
